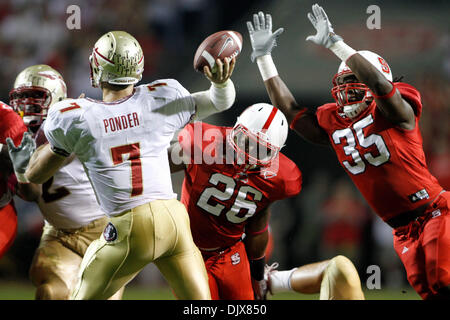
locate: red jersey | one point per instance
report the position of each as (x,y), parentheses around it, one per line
(12,126)
(219,201)
(386,163)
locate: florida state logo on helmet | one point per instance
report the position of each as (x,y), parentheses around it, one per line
(116,58)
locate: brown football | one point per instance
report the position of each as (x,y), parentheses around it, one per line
(220,45)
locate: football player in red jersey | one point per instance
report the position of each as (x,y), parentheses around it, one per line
(11,126)
(232,177)
(373,128)
(227,190)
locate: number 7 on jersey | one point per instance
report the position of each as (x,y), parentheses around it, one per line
(136,168)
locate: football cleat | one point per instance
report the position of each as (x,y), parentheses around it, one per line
(268,271)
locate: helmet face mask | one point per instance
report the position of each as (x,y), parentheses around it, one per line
(352,96)
(31,103)
(35,90)
(252,148)
(347,90)
(257,138)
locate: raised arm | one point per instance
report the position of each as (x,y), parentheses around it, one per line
(221,94)
(263,41)
(388,99)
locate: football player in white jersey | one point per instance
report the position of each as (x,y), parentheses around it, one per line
(122,142)
(73,218)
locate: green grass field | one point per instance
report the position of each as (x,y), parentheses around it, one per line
(24,291)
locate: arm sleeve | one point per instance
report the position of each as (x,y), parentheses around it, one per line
(291,180)
(218,98)
(62,129)
(412,95)
(293,184)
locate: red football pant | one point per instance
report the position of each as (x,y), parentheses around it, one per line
(8,227)
(424,248)
(229,274)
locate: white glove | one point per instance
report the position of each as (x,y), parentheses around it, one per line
(261,37)
(325,35)
(21,155)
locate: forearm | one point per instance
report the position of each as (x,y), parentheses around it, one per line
(281,97)
(255,246)
(369,75)
(29,191)
(218,98)
(388,100)
(43,164)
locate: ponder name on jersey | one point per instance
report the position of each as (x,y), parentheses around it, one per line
(123,144)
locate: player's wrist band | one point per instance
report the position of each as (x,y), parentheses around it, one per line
(387,95)
(266,67)
(21,177)
(342,50)
(257,268)
(222,95)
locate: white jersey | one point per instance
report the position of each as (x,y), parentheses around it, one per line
(67,200)
(123,144)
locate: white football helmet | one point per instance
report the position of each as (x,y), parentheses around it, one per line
(259,134)
(360,96)
(116,58)
(35,90)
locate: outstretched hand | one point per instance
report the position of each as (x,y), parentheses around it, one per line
(261,37)
(325,35)
(21,155)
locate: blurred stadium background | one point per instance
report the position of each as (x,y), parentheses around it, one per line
(329,217)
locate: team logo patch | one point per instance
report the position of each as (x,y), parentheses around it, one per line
(419,195)
(235,258)
(110,232)
(436,213)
